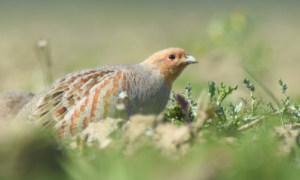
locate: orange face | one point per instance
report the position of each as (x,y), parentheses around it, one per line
(171,63)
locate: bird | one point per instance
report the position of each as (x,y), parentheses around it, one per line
(90,95)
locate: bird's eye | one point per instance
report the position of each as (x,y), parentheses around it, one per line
(172,57)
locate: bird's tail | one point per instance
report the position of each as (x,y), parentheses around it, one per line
(11,103)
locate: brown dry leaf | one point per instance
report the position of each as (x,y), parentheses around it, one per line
(137,131)
(172,140)
(100,131)
(288,135)
(205,111)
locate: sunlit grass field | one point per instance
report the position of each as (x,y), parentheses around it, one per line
(232,40)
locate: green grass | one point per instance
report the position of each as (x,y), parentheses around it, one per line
(218,148)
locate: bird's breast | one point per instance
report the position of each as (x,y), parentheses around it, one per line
(149,93)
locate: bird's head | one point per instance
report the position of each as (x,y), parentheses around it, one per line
(171,63)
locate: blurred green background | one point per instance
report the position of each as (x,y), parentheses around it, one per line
(225,36)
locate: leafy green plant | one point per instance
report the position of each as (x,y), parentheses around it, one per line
(291,111)
(175,112)
(232,117)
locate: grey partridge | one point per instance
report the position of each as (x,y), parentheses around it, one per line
(90,95)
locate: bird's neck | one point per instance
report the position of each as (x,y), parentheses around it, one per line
(152,74)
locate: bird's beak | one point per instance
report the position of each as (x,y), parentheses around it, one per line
(190,60)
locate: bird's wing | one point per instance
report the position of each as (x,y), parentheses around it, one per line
(80,98)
